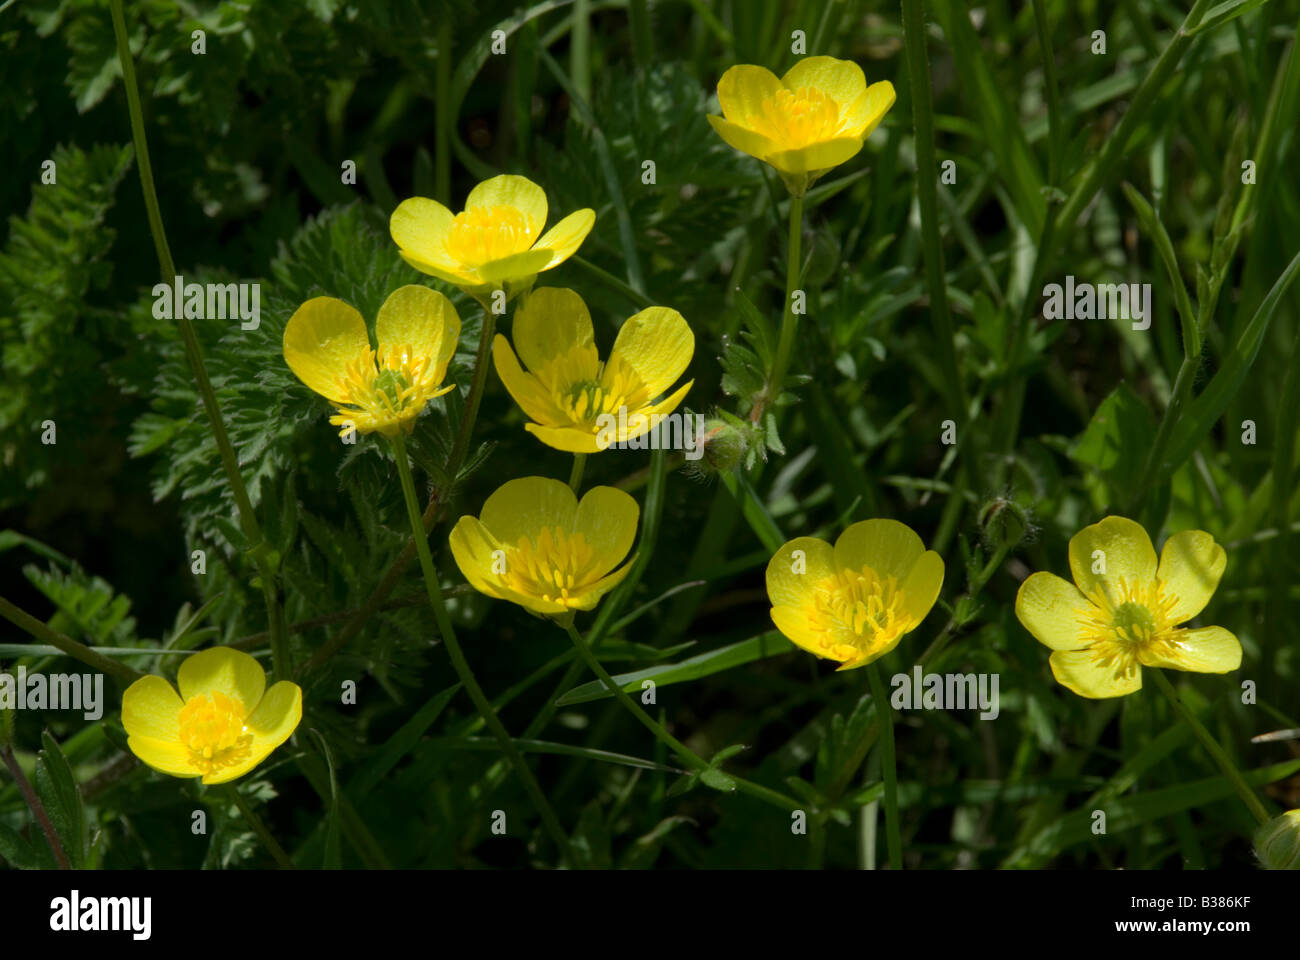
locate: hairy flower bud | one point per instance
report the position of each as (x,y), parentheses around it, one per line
(1277,843)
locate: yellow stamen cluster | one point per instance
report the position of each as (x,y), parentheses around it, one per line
(1119,625)
(212,728)
(481,235)
(384,389)
(797,118)
(865,604)
(550,567)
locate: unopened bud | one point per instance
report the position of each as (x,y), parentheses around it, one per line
(1003,523)
(1277,843)
(724,445)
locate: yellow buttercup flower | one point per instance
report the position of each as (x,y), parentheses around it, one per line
(577,403)
(854,601)
(535,545)
(223,723)
(496,242)
(327,347)
(814,118)
(1123,611)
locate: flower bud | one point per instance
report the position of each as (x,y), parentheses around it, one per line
(724,446)
(1277,843)
(1003,523)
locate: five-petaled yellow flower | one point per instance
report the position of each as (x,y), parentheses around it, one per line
(854,601)
(535,545)
(223,724)
(495,243)
(577,403)
(1123,611)
(814,118)
(327,347)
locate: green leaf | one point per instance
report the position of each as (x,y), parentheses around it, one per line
(769,644)
(399,745)
(1209,405)
(58,790)
(1117,440)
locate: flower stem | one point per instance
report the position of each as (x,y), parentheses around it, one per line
(575,476)
(475,397)
(688,756)
(259,827)
(458,661)
(1248,796)
(37,808)
(888,765)
(41,631)
(194,353)
(789,320)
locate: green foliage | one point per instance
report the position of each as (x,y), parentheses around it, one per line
(1054,423)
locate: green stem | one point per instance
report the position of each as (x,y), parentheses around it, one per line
(789,320)
(458,661)
(927,173)
(475,397)
(25,621)
(442,117)
(259,827)
(194,353)
(580,49)
(1182,391)
(38,809)
(888,765)
(687,755)
(575,475)
(1248,796)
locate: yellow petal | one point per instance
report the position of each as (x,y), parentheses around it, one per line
(660,409)
(550,323)
(1202,650)
(422,319)
(658,344)
(533,398)
(150,708)
(1050,608)
(1118,546)
(817,158)
(888,547)
(591,594)
(419,226)
(921,586)
(607,519)
(516,267)
(568,439)
(522,507)
(842,80)
(224,670)
(742,90)
(796,626)
(564,239)
(791,578)
(1083,673)
(457,277)
(864,114)
(166,756)
(271,724)
(509,190)
(321,339)
(742,138)
(1191,564)
(472,547)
